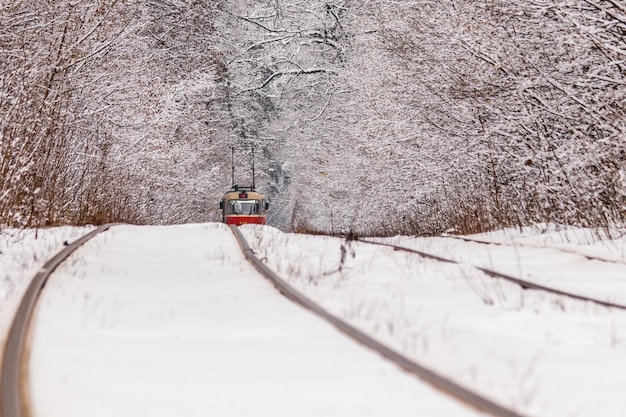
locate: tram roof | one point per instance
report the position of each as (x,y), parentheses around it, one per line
(250,195)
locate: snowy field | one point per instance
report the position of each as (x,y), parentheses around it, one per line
(165,321)
(22,254)
(577,261)
(544,355)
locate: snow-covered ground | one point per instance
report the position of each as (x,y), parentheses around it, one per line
(172,321)
(544,355)
(167,321)
(606,244)
(22,254)
(551,259)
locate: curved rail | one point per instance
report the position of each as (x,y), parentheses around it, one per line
(521,282)
(529,245)
(13,398)
(408,365)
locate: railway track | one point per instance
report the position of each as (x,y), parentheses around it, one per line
(12,390)
(525,284)
(444,384)
(527,245)
(15,400)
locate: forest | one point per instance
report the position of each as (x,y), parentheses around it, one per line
(369,116)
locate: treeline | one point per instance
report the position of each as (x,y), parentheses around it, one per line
(372,116)
(105,112)
(459,115)
(54,142)
(531,95)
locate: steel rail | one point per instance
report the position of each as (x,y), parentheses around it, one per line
(12,392)
(494,274)
(529,245)
(440,382)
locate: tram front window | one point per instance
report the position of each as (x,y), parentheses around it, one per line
(244,207)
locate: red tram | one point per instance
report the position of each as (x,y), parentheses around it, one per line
(242,205)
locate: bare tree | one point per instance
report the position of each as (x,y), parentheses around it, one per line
(52,144)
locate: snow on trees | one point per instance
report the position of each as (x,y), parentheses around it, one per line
(374,116)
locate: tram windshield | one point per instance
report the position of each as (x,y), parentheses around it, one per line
(244,207)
